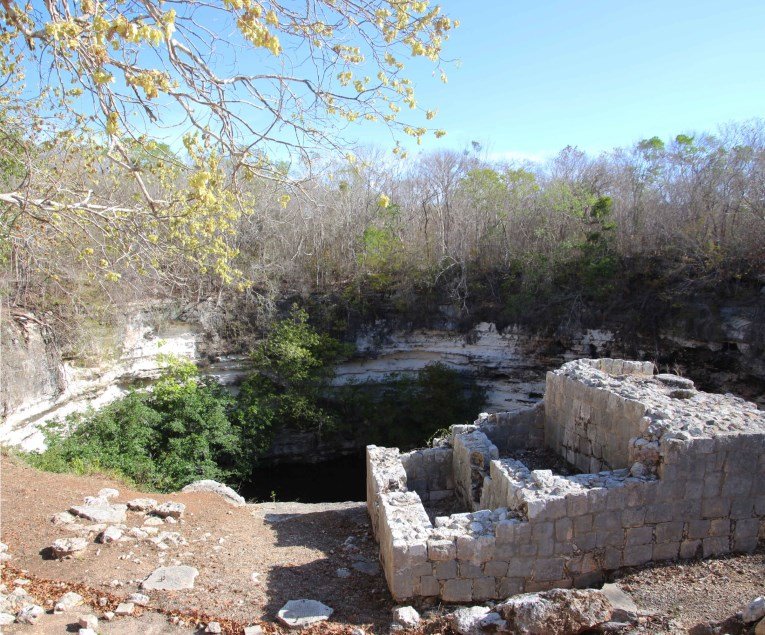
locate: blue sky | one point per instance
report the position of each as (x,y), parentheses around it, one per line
(535,76)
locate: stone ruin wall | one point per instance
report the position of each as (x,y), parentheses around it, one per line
(673,473)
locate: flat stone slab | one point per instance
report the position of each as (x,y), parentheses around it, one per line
(302,613)
(171,579)
(100,513)
(366,567)
(228,494)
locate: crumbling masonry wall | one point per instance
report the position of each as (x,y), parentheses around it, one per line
(686,482)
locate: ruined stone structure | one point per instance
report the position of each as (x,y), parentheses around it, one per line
(667,472)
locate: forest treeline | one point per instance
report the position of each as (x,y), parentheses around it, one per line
(448,222)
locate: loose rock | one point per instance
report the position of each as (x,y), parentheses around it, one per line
(138,598)
(406,616)
(7,618)
(142,504)
(301,613)
(555,612)
(755,610)
(88,621)
(108,492)
(175,510)
(68,547)
(467,620)
(124,608)
(100,512)
(29,614)
(110,534)
(68,601)
(171,578)
(213,627)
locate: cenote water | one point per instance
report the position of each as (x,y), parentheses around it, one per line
(338,480)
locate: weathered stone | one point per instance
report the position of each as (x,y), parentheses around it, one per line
(755,610)
(173,578)
(138,598)
(62,518)
(555,612)
(125,608)
(302,613)
(142,504)
(256,629)
(88,621)
(86,631)
(228,494)
(214,627)
(108,492)
(68,601)
(100,512)
(6,619)
(467,620)
(110,534)
(366,567)
(624,607)
(406,616)
(68,547)
(173,510)
(30,614)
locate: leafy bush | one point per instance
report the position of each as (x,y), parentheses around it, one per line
(293,368)
(163,439)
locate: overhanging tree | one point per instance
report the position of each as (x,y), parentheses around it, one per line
(94,89)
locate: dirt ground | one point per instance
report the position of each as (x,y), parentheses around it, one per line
(253,559)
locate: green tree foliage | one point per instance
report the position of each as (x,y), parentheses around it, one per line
(161,439)
(293,367)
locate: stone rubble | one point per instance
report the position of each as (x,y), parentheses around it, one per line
(667,475)
(754,611)
(406,617)
(68,547)
(302,613)
(172,510)
(68,601)
(174,578)
(555,612)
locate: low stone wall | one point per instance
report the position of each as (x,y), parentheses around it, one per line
(691,485)
(429,472)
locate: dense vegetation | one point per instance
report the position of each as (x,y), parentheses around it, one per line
(188,428)
(455,228)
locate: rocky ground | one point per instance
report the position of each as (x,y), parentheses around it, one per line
(250,560)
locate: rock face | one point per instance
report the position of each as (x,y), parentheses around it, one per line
(302,613)
(555,612)
(174,578)
(229,495)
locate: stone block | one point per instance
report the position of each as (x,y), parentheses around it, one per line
(445,570)
(441,550)
(469,570)
(636,555)
(586,542)
(613,557)
(484,588)
(506,531)
(520,568)
(666,551)
(717,507)
(508,587)
(564,529)
(457,591)
(548,569)
(690,549)
(640,535)
(495,568)
(669,532)
(742,507)
(715,546)
(422,569)
(633,517)
(401,585)
(696,529)
(577,505)
(719,527)
(528,549)
(582,524)
(429,586)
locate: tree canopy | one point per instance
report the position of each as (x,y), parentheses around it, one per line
(99,94)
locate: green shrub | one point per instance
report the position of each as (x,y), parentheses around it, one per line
(163,439)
